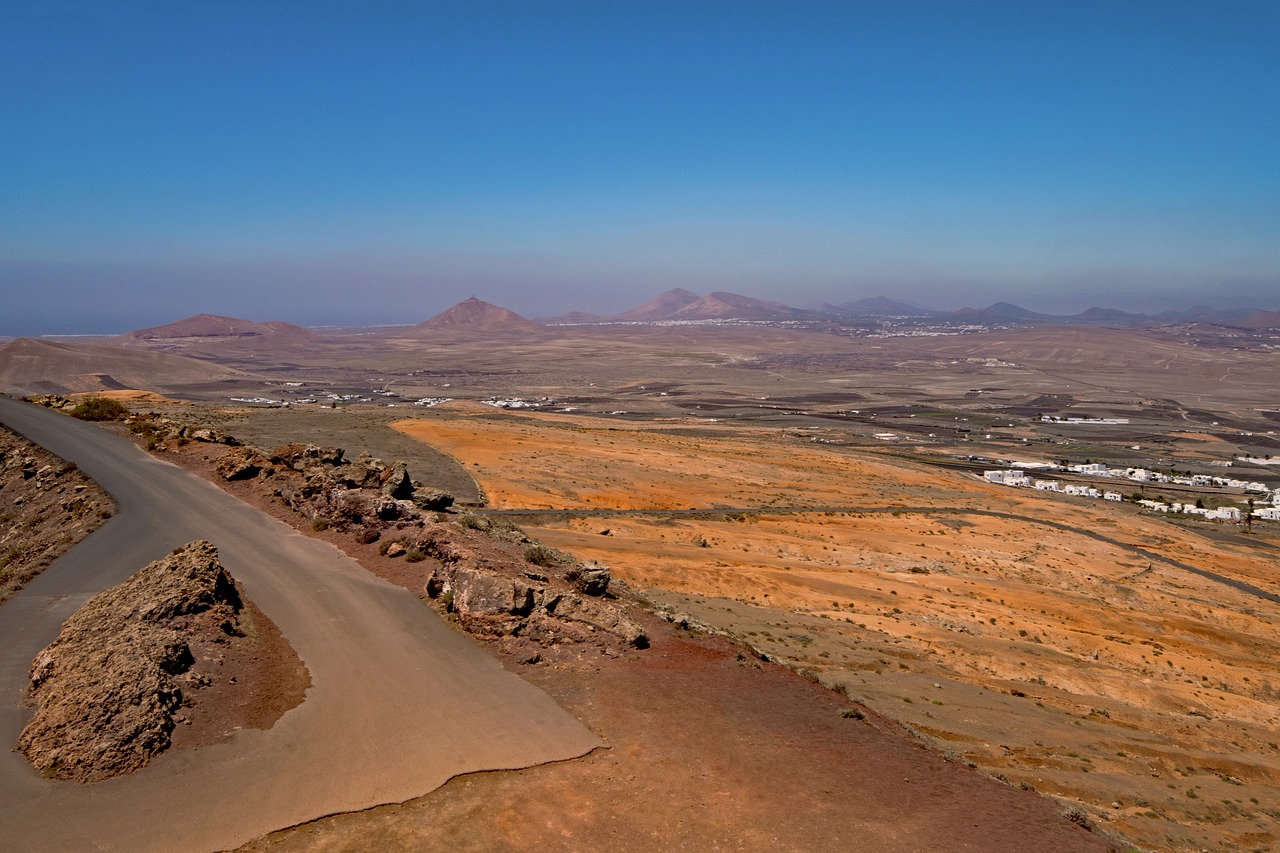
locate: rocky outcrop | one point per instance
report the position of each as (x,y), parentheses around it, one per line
(242,464)
(590,579)
(493,595)
(109,687)
(48,505)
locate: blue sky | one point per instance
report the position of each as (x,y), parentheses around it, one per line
(330,162)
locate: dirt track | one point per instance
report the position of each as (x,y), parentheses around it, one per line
(399,702)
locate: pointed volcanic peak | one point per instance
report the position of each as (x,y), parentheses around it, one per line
(476,315)
(30,366)
(722,305)
(879,306)
(206,327)
(662,307)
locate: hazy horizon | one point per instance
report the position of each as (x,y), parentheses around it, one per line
(377,162)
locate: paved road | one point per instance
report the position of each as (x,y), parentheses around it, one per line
(399,702)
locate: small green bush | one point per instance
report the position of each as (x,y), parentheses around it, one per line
(99,409)
(319,523)
(413,555)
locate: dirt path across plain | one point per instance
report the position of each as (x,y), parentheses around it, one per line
(399,703)
(1238,585)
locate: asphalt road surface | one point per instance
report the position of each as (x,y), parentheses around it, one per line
(399,702)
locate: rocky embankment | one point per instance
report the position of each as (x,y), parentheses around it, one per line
(46,506)
(112,687)
(495,581)
(489,577)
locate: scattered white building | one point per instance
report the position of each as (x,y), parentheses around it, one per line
(1006,477)
(1017,477)
(1051,419)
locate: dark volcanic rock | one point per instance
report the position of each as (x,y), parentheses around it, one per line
(396,483)
(109,686)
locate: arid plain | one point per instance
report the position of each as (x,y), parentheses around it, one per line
(816,494)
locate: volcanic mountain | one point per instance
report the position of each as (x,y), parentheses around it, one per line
(1005,312)
(722,305)
(206,326)
(680,304)
(475,315)
(661,307)
(30,366)
(878,306)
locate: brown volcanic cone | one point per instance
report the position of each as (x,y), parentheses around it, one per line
(723,305)
(215,326)
(662,307)
(476,315)
(30,366)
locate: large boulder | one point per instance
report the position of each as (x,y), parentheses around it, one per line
(433,500)
(242,463)
(396,482)
(109,686)
(299,457)
(590,579)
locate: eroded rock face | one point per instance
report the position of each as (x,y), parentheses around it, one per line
(242,464)
(46,505)
(491,596)
(109,686)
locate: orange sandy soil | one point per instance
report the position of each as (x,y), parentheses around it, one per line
(709,749)
(1142,692)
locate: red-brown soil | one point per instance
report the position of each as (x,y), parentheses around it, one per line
(710,751)
(254,680)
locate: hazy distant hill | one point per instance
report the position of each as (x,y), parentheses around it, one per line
(41,367)
(216,326)
(662,307)
(475,315)
(572,317)
(680,304)
(1262,320)
(879,306)
(1202,314)
(722,305)
(1108,315)
(1005,311)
